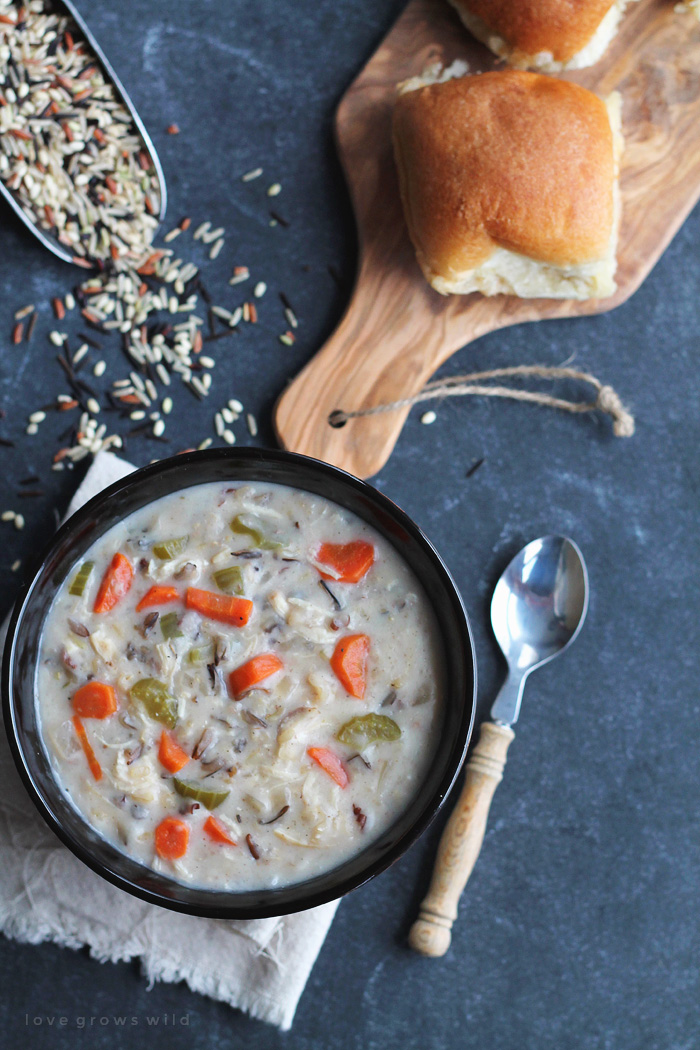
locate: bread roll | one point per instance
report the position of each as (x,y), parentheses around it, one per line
(548,35)
(509,184)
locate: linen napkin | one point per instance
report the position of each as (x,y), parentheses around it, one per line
(260,966)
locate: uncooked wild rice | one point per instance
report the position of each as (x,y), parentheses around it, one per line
(70,152)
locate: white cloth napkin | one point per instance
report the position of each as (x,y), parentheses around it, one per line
(46,893)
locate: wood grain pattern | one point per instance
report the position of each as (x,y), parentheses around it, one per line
(461,841)
(397,331)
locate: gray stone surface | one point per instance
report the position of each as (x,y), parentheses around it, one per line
(580,926)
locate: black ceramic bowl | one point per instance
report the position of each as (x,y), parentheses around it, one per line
(128,495)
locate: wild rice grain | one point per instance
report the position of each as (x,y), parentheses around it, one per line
(240,273)
(213,235)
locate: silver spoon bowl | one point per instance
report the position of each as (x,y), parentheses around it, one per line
(537,609)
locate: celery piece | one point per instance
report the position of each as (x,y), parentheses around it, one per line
(81,578)
(168,549)
(170,626)
(229,580)
(245,525)
(368,729)
(201,655)
(209,797)
(156,700)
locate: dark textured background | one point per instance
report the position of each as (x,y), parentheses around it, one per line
(580,926)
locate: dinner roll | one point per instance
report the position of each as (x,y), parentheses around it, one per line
(550,35)
(509,184)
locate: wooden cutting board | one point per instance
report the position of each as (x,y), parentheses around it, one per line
(397,331)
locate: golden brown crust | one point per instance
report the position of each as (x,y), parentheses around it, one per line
(511,159)
(560,27)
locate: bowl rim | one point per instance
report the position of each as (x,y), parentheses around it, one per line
(316,896)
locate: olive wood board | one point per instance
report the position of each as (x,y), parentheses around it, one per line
(397,330)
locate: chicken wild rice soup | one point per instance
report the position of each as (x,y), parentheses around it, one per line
(239,685)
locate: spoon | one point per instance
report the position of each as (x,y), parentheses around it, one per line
(537,609)
(46,238)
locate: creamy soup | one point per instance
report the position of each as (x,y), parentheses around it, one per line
(239,685)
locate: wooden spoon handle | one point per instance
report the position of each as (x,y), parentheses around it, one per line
(461,841)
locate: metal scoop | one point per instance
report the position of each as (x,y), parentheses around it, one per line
(538,607)
(54,245)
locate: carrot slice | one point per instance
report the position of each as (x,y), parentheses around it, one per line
(115,583)
(170,754)
(94,765)
(158,596)
(349,662)
(171,838)
(349,561)
(329,763)
(95,700)
(216,831)
(249,674)
(227,608)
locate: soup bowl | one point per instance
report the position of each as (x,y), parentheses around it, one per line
(129,495)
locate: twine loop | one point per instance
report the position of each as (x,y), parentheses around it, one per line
(607,399)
